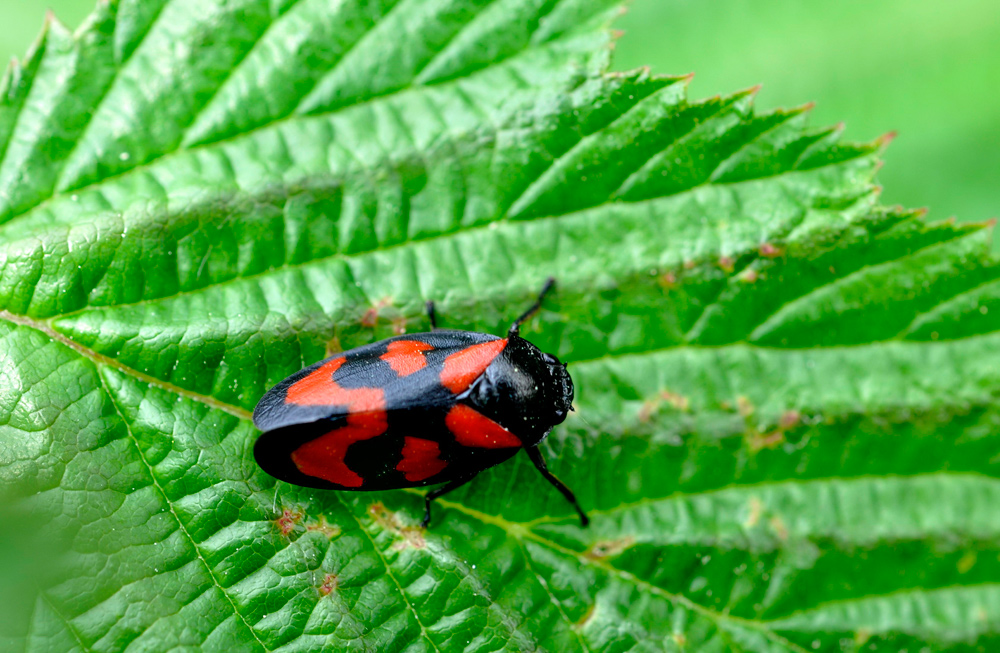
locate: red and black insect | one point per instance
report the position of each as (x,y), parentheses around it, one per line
(415,410)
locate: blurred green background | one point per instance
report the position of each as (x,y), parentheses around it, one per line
(925,68)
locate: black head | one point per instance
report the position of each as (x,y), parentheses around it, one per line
(524,390)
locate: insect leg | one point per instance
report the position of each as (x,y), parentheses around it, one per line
(515,329)
(441,491)
(536,457)
(432,315)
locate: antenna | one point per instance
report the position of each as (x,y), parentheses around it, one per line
(515,329)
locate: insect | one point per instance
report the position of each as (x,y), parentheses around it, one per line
(416,410)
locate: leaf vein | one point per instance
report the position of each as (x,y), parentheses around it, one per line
(552,597)
(101,359)
(237,66)
(268,125)
(173,512)
(67,622)
(348,257)
(98,103)
(451,39)
(854,274)
(518,532)
(389,572)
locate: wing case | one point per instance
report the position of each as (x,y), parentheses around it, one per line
(384,416)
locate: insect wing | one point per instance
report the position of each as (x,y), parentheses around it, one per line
(406,371)
(378,417)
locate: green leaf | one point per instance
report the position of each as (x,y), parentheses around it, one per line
(786,393)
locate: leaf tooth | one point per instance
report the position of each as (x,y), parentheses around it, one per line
(381,62)
(759,151)
(599,162)
(283,66)
(907,285)
(52,115)
(175,81)
(15,87)
(973,312)
(26,105)
(832,151)
(644,182)
(500,29)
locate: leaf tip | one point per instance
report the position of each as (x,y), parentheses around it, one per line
(54,25)
(801,109)
(886,138)
(747,96)
(666,80)
(11,75)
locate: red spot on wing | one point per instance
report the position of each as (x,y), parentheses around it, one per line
(406,356)
(319,389)
(421,459)
(323,457)
(473,429)
(465,366)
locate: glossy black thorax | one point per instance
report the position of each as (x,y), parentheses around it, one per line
(525,390)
